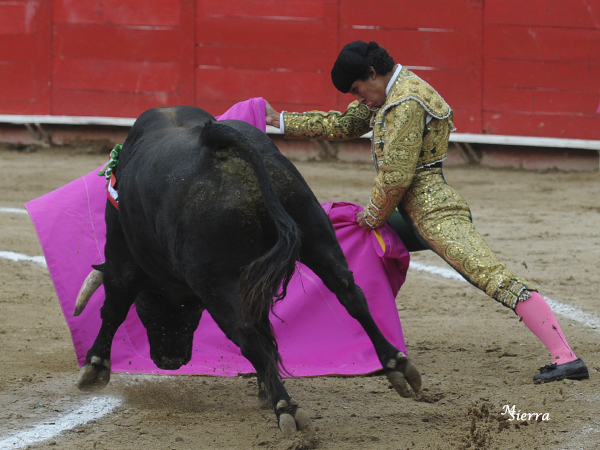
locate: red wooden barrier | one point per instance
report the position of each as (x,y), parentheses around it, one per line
(505,66)
(280,50)
(25,38)
(118,58)
(542,68)
(440,41)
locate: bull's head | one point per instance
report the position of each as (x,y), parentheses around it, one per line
(170,328)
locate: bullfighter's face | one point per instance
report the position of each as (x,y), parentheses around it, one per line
(371,91)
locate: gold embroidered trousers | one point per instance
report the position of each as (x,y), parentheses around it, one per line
(442,218)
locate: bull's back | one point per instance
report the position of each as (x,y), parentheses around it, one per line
(179,198)
(161,149)
(158,161)
(157,121)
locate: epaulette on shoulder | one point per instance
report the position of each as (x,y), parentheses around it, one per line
(412,87)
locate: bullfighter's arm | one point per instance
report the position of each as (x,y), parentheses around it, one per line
(397,155)
(330,126)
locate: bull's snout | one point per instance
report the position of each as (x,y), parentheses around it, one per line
(167,363)
(169,348)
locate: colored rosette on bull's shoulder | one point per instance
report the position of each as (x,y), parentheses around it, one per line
(112,163)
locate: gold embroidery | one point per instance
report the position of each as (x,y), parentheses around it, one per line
(331,126)
(404,148)
(435,141)
(435,134)
(409,86)
(396,155)
(442,217)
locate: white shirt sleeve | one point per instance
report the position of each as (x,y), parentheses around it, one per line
(281,124)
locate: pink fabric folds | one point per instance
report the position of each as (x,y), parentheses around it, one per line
(316,335)
(251,111)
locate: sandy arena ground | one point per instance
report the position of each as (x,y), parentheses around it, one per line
(474,355)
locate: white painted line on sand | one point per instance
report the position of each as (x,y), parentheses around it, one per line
(568,311)
(13,210)
(20,257)
(446,273)
(94,408)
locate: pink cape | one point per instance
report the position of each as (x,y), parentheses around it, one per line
(316,335)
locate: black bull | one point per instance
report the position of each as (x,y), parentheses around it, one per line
(212,217)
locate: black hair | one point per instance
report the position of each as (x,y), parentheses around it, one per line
(354,61)
(380,60)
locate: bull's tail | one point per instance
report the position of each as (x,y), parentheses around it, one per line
(265,280)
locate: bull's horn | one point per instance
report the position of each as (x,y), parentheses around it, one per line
(89,286)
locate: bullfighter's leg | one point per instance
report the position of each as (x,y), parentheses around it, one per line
(257,344)
(323,255)
(121,276)
(442,219)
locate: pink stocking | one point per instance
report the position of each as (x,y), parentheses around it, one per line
(538,317)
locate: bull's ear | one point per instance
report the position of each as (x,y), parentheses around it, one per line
(217,136)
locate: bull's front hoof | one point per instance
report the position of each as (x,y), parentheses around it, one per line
(402,373)
(293,419)
(287,425)
(95,375)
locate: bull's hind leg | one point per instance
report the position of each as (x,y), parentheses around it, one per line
(121,275)
(257,344)
(323,255)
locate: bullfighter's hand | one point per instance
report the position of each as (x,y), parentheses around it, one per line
(360,218)
(272,116)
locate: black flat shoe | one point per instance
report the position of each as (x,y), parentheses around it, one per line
(574,370)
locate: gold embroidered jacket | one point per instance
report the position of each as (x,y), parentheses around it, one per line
(402,141)
(328,126)
(405,146)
